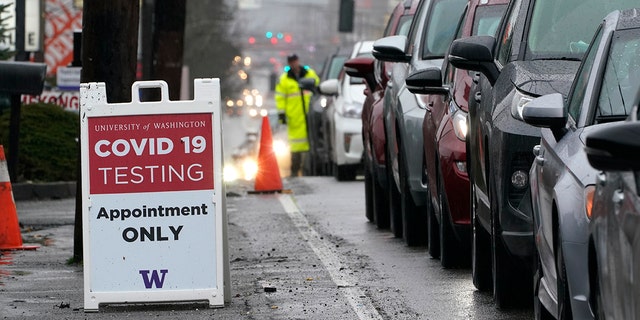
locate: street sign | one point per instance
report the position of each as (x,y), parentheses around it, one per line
(153,198)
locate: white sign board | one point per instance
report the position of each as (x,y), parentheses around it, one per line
(8,18)
(154,216)
(68,78)
(32,26)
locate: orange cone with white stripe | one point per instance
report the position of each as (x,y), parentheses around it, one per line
(10,238)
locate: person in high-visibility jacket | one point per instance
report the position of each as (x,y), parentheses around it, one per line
(293,104)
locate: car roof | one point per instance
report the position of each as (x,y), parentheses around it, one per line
(628,19)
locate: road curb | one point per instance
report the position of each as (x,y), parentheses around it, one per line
(40,191)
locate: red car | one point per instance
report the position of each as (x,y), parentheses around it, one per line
(444,130)
(376,75)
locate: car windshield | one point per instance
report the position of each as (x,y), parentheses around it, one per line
(562,29)
(487,20)
(441,27)
(621,79)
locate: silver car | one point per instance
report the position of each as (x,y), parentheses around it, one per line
(561,179)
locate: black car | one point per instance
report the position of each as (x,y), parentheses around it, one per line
(536,52)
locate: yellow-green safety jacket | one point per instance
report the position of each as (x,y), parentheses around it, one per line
(288,100)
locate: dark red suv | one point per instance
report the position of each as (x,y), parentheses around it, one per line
(373,135)
(444,132)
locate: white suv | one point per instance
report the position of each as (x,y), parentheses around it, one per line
(344,118)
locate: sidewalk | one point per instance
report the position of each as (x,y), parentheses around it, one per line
(42,285)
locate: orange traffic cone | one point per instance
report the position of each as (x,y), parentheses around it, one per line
(268,177)
(10,238)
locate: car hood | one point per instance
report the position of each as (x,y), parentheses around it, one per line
(540,77)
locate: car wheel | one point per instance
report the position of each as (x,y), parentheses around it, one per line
(395,211)
(344,172)
(480,248)
(433,227)
(380,204)
(452,252)
(368,194)
(539,310)
(414,226)
(564,298)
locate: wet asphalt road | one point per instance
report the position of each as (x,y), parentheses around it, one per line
(314,247)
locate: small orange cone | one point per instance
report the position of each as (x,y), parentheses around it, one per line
(10,238)
(268,177)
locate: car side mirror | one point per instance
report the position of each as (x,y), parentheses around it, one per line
(547,111)
(362,67)
(615,147)
(426,81)
(475,54)
(391,49)
(307,84)
(329,87)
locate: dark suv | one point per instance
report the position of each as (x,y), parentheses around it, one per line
(536,51)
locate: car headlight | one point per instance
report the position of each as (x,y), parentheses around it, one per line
(517,104)
(460,127)
(350,110)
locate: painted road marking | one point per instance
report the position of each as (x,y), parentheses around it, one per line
(340,274)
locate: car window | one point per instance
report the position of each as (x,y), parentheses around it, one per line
(413,28)
(441,27)
(582,79)
(487,20)
(449,70)
(621,79)
(336,66)
(404,24)
(562,29)
(505,41)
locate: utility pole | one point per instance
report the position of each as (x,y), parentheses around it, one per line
(168,43)
(109,54)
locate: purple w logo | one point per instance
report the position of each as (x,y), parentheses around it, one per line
(155,279)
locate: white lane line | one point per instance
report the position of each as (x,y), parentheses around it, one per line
(340,274)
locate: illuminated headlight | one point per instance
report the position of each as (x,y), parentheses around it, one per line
(280,148)
(323,102)
(263,112)
(520,179)
(230,173)
(517,104)
(350,110)
(250,169)
(253,112)
(460,127)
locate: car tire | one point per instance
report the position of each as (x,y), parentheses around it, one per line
(344,172)
(380,204)
(539,310)
(433,229)
(480,248)
(564,298)
(395,210)
(368,194)
(452,252)
(414,226)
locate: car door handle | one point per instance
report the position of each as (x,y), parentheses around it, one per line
(477,97)
(540,160)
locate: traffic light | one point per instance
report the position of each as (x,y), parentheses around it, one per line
(345,23)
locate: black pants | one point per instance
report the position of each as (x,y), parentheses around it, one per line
(297,161)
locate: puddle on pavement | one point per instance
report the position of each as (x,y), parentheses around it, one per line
(5,259)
